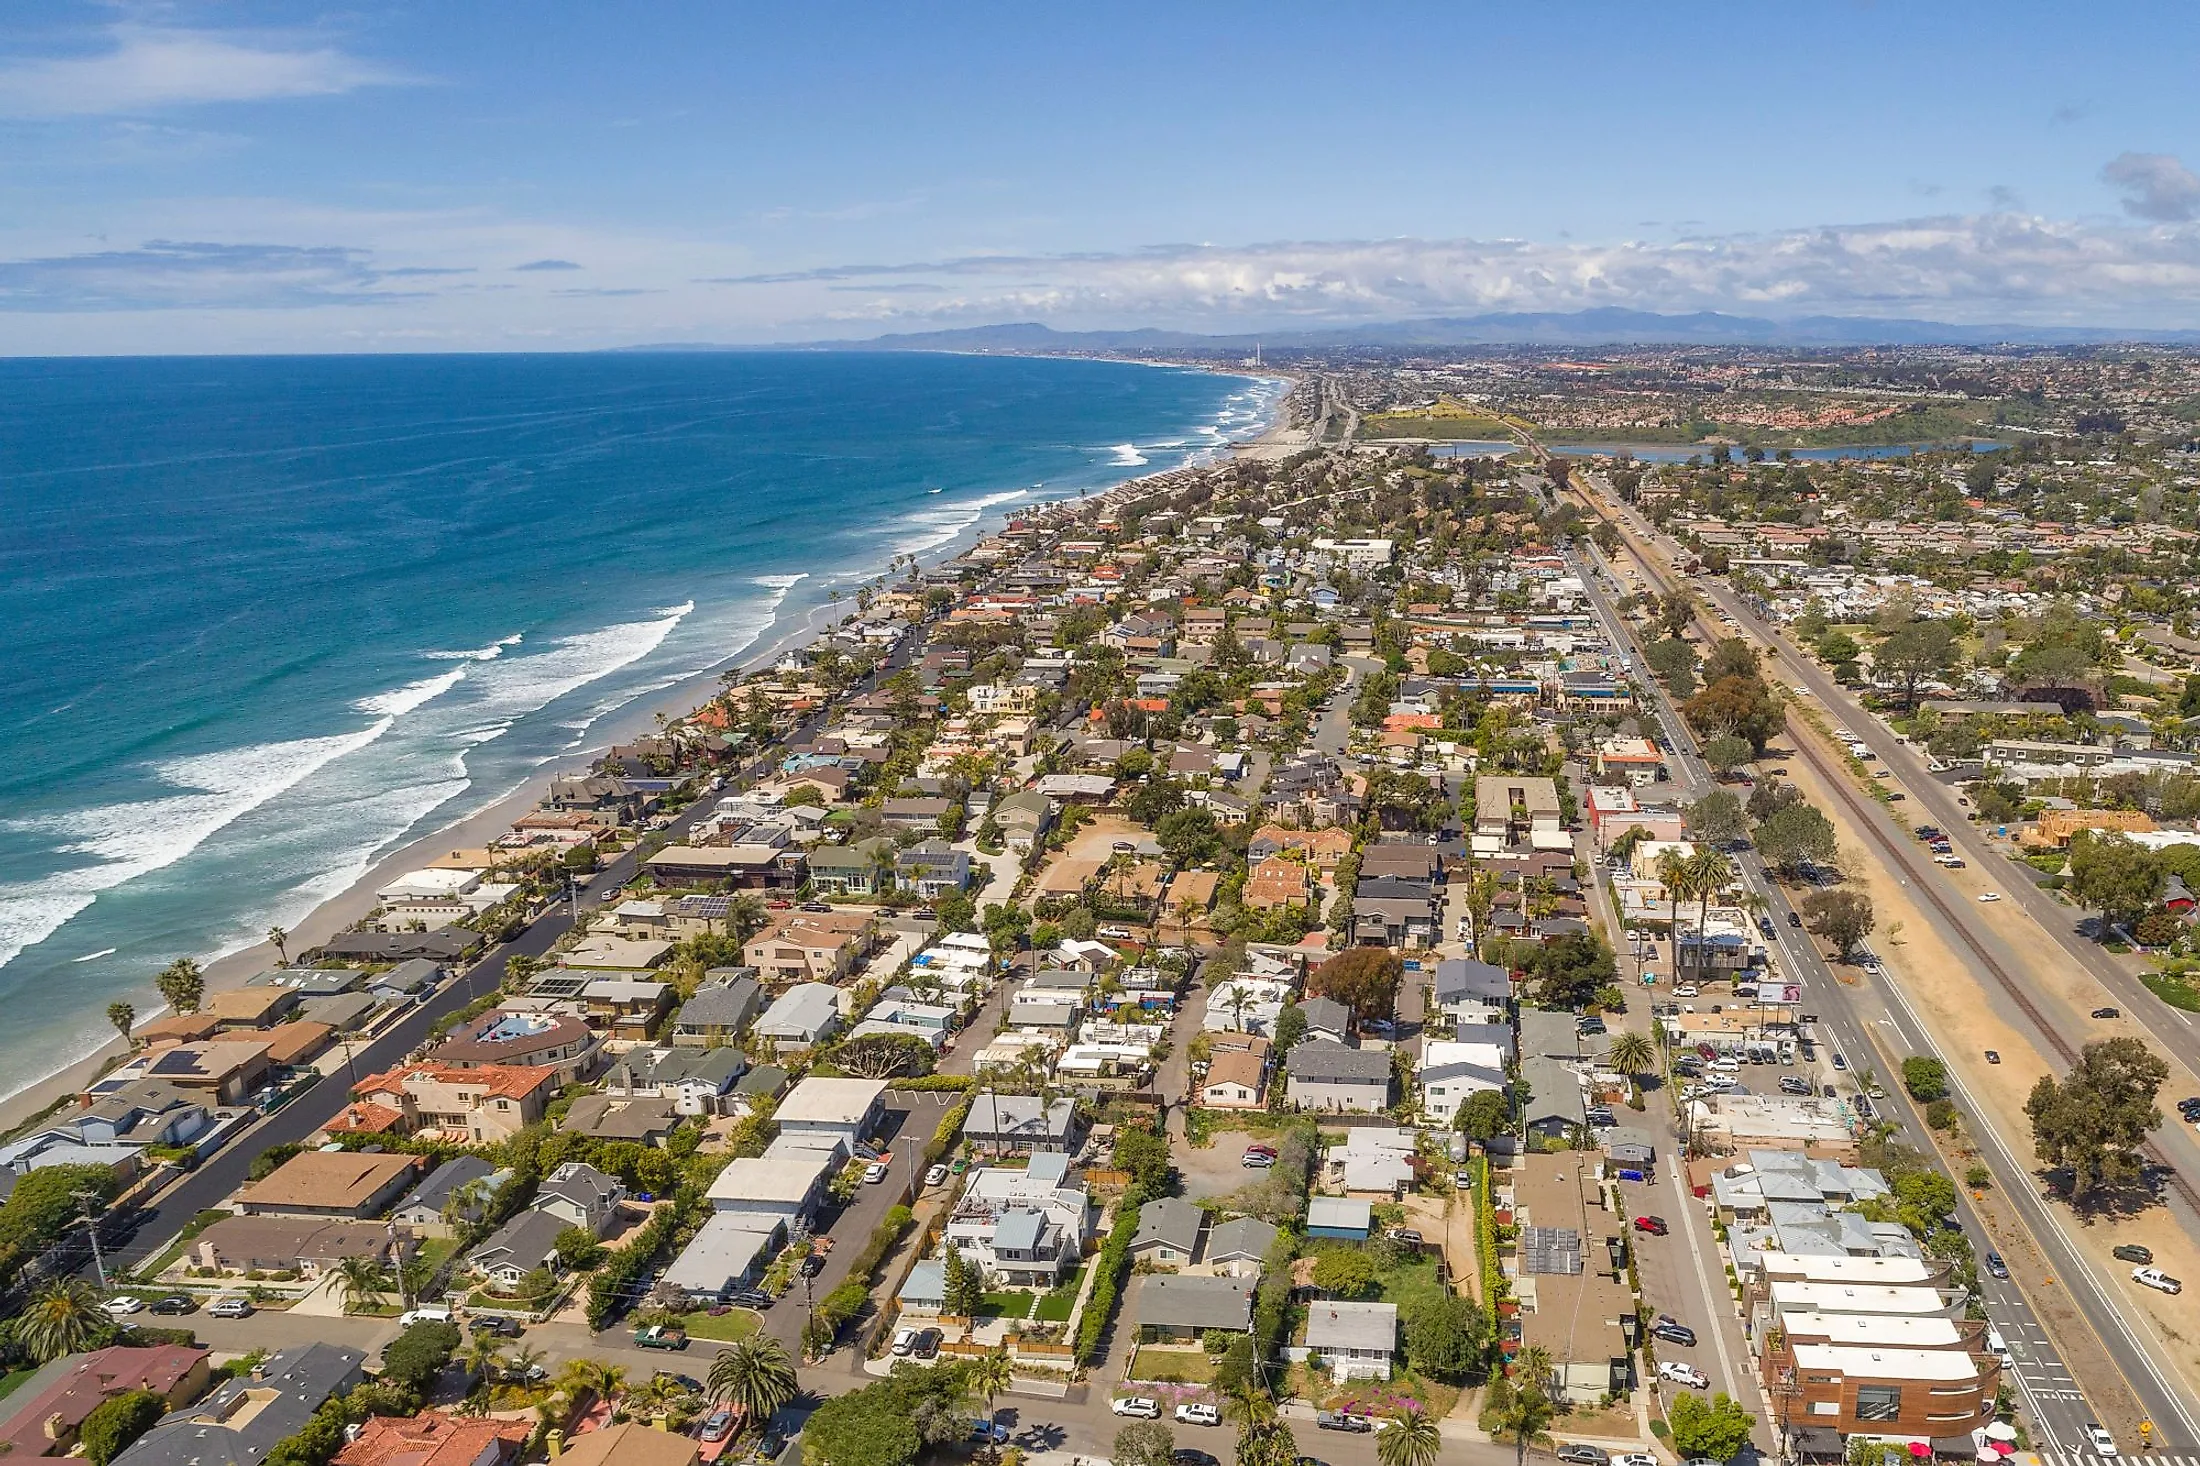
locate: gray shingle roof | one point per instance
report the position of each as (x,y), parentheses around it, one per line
(1169,1221)
(1196,1302)
(1319,1059)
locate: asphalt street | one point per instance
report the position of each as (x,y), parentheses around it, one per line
(2055,1406)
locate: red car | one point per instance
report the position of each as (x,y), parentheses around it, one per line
(1655,1226)
(1261,1147)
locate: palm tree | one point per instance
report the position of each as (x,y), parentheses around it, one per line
(280,939)
(182,985)
(745,916)
(591,1376)
(362,1280)
(1710,872)
(1632,1055)
(1411,1439)
(522,1362)
(1534,1364)
(122,1015)
(1522,1413)
(1237,1000)
(756,1376)
(481,1355)
(62,1318)
(989,1376)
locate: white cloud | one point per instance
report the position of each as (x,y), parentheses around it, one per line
(2154,185)
(1988,267)
(145,69)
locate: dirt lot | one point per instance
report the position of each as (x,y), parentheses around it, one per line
(1217,1169)
(1963,1010)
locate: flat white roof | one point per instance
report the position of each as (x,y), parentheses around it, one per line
(1811,1268)
(1883,1330)
(783,1179)
(1918,1364)
(1851,1298)
(830,1101)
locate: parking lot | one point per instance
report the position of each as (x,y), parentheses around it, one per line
(1217,1169)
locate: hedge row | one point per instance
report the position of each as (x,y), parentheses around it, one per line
(930,1082)
(1485,1234)
(610,1284)
(1115,1258)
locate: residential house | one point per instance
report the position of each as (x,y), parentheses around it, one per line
(1025,1227)
(932,869)
(721,1009)
(522,1039)
(244,1418)
(526,1243)
(1327,1019)
(1235,1081)
(1353,1340)
(643,1120)
(1276,882)
(807,946)
(693,1081)
(802,1017)
(581,1196)
(433,1438)
(312,1247)
(1331,1077)
(474,1106)
(1013,1124)
(1450,1071)
(843,1110)
(729,1252)
(42,1415)
(1569,1275)
(331,1183)
(1239,1247)
(1168,1233)
(456,1191)
(1183,1310)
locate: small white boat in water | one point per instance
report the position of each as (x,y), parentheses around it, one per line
(932,491)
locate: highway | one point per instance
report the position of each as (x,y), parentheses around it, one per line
(2127,1335)
(2055,1406)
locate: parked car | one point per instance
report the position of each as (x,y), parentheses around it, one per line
(426,1313)
(1256,1160)
(1989,895)
(1635,1458)
(874,1173)
(231,1305)
(904,1341)
(1996,1266)
(2099,1439)
(935,1176)
(1993,1056)
(175,1303)
(1655,1226)
(752,1298)
(717,1425)
(1840,1061)
(1683,1374)
(1188,1456)
(1576,1454)
(1138,1407)
(2133,1252)
(2155,1278)
(497,1326)
(1674,1332)
(124,1305)
(983,1432)
(927,1345)
(1196,1413)
(1343,1420)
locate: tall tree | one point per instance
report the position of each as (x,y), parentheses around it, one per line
(1843,918)
(1918,650)
(1717,818)
(62,1318)
(182,986)
(280,941)
(1144,1443)
(1795,837)
(122,1015)
(1523,1412)
(755,1376)
(1410,1439)
(1716,1430)
(2094,1119)
(2114,875)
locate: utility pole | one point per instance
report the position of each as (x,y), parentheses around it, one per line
(86,1199)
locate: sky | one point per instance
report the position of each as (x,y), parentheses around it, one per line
(197,177)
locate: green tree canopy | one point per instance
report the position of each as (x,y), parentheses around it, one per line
(117,1421)
(2094,1118)
(1842,917)
(1345,1273)
(415,1357)
(2114,875)
(1364,979)
(1796,836)
(1717,818)
(1717,1429)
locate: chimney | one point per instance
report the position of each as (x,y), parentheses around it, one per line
(556,1441)
(55,1425)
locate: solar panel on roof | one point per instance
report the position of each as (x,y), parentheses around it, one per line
(1550,1250)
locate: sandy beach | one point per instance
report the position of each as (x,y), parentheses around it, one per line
(789,630)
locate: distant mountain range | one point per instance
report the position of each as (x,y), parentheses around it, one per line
(1605,326)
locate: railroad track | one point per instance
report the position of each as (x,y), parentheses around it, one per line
(1873,820)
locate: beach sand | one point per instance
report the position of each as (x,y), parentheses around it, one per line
(484,825)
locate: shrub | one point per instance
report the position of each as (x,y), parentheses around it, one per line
(1113,1262)
(1978,1178)
(1941,1114)
(1925,1079)
(117,1421)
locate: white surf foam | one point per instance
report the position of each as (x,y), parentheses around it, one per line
(405,699)
(487,653)
(1126,456)
(125,841)
(95,956)
(782,582)
(516,686)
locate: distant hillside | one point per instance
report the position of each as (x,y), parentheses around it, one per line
(1606,326)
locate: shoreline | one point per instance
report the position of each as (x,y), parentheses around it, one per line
(786,631)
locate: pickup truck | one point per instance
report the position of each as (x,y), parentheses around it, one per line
(660,1336)
(1343,1420)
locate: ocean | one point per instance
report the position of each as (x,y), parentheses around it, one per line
(268,617)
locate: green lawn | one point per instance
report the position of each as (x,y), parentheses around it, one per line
(1054,1306)
(726,1328)
(2174,988)
(13,1378)
(1015,1303)
(1173,1366)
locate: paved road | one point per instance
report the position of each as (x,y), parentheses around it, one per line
(2056,1407)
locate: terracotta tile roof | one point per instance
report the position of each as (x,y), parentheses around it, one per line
(497,1081)
(432,1438)
(365,1118)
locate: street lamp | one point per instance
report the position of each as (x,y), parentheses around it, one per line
(85,1199)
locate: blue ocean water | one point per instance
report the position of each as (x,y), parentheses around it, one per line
(268,617)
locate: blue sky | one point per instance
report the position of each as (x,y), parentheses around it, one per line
(181,176)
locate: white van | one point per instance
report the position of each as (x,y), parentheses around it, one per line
(426,1313)
(1996,1344)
